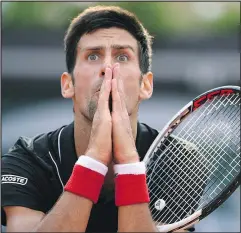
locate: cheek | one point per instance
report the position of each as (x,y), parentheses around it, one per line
(131,81)
(85,74)
(132,93)
(83,83)
(131,88)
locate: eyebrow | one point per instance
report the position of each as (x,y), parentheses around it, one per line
(114,46)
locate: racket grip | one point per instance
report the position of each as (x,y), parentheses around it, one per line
(130,184)
(87,178)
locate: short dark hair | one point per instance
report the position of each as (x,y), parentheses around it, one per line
(94,18)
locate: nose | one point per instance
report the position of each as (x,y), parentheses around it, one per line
(102,72)
(108,62)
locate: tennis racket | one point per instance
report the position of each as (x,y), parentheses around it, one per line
(193,165)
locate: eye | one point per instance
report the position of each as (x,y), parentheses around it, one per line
(122,58)
(93,57)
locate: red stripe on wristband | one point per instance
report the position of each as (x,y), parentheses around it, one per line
(131,189)
(85,182)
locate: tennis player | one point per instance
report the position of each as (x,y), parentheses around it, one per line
(88,175)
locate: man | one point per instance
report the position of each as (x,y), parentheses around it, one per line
(52,182)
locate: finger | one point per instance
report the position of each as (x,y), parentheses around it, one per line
(108,74)
(116,75)
(116,101)
(116,69)
(120,86)
(121,92)
(103,102)
(115,65)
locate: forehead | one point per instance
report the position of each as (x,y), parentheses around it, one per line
(108,37)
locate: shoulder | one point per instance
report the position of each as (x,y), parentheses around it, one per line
(147,130)
(145,137)
(39,145)
(33,151)
(28,169)
(30,145)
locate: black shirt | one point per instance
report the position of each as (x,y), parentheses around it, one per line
(35,170)
(47,161)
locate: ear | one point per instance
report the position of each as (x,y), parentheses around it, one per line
(67,87)
(146,86)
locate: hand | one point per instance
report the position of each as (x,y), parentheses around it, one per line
(124,149)
(100,143)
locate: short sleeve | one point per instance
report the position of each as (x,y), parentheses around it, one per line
(22,181)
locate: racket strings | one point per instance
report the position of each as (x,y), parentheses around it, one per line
(186,166)
(190,189)
(208,108)
(217,147)
(174,193)
(217,177)
(171,168)
(214,190)
(185,161)
(200,171)
(167,206)
(174,181)
(203,131)
(189,196)
(205,111)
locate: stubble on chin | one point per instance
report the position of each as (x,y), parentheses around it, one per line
(92,106)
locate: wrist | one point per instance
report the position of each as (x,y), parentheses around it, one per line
(129,159)
(130,184)
(137,168)
(92,164)
(87,178)
(96,156)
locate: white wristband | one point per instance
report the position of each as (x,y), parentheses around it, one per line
(92,164)
(130,168)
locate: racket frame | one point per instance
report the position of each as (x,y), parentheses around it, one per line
(165,132)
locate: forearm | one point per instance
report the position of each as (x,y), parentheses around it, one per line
(135,218)
(132,198)
(70,213)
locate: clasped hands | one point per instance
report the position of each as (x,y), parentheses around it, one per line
(111,137)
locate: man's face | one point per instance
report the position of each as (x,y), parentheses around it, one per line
(96,51)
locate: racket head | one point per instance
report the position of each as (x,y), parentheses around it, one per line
(171,140)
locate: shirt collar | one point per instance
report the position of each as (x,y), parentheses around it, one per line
(67,152)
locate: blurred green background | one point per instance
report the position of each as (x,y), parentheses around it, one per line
(171,17)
